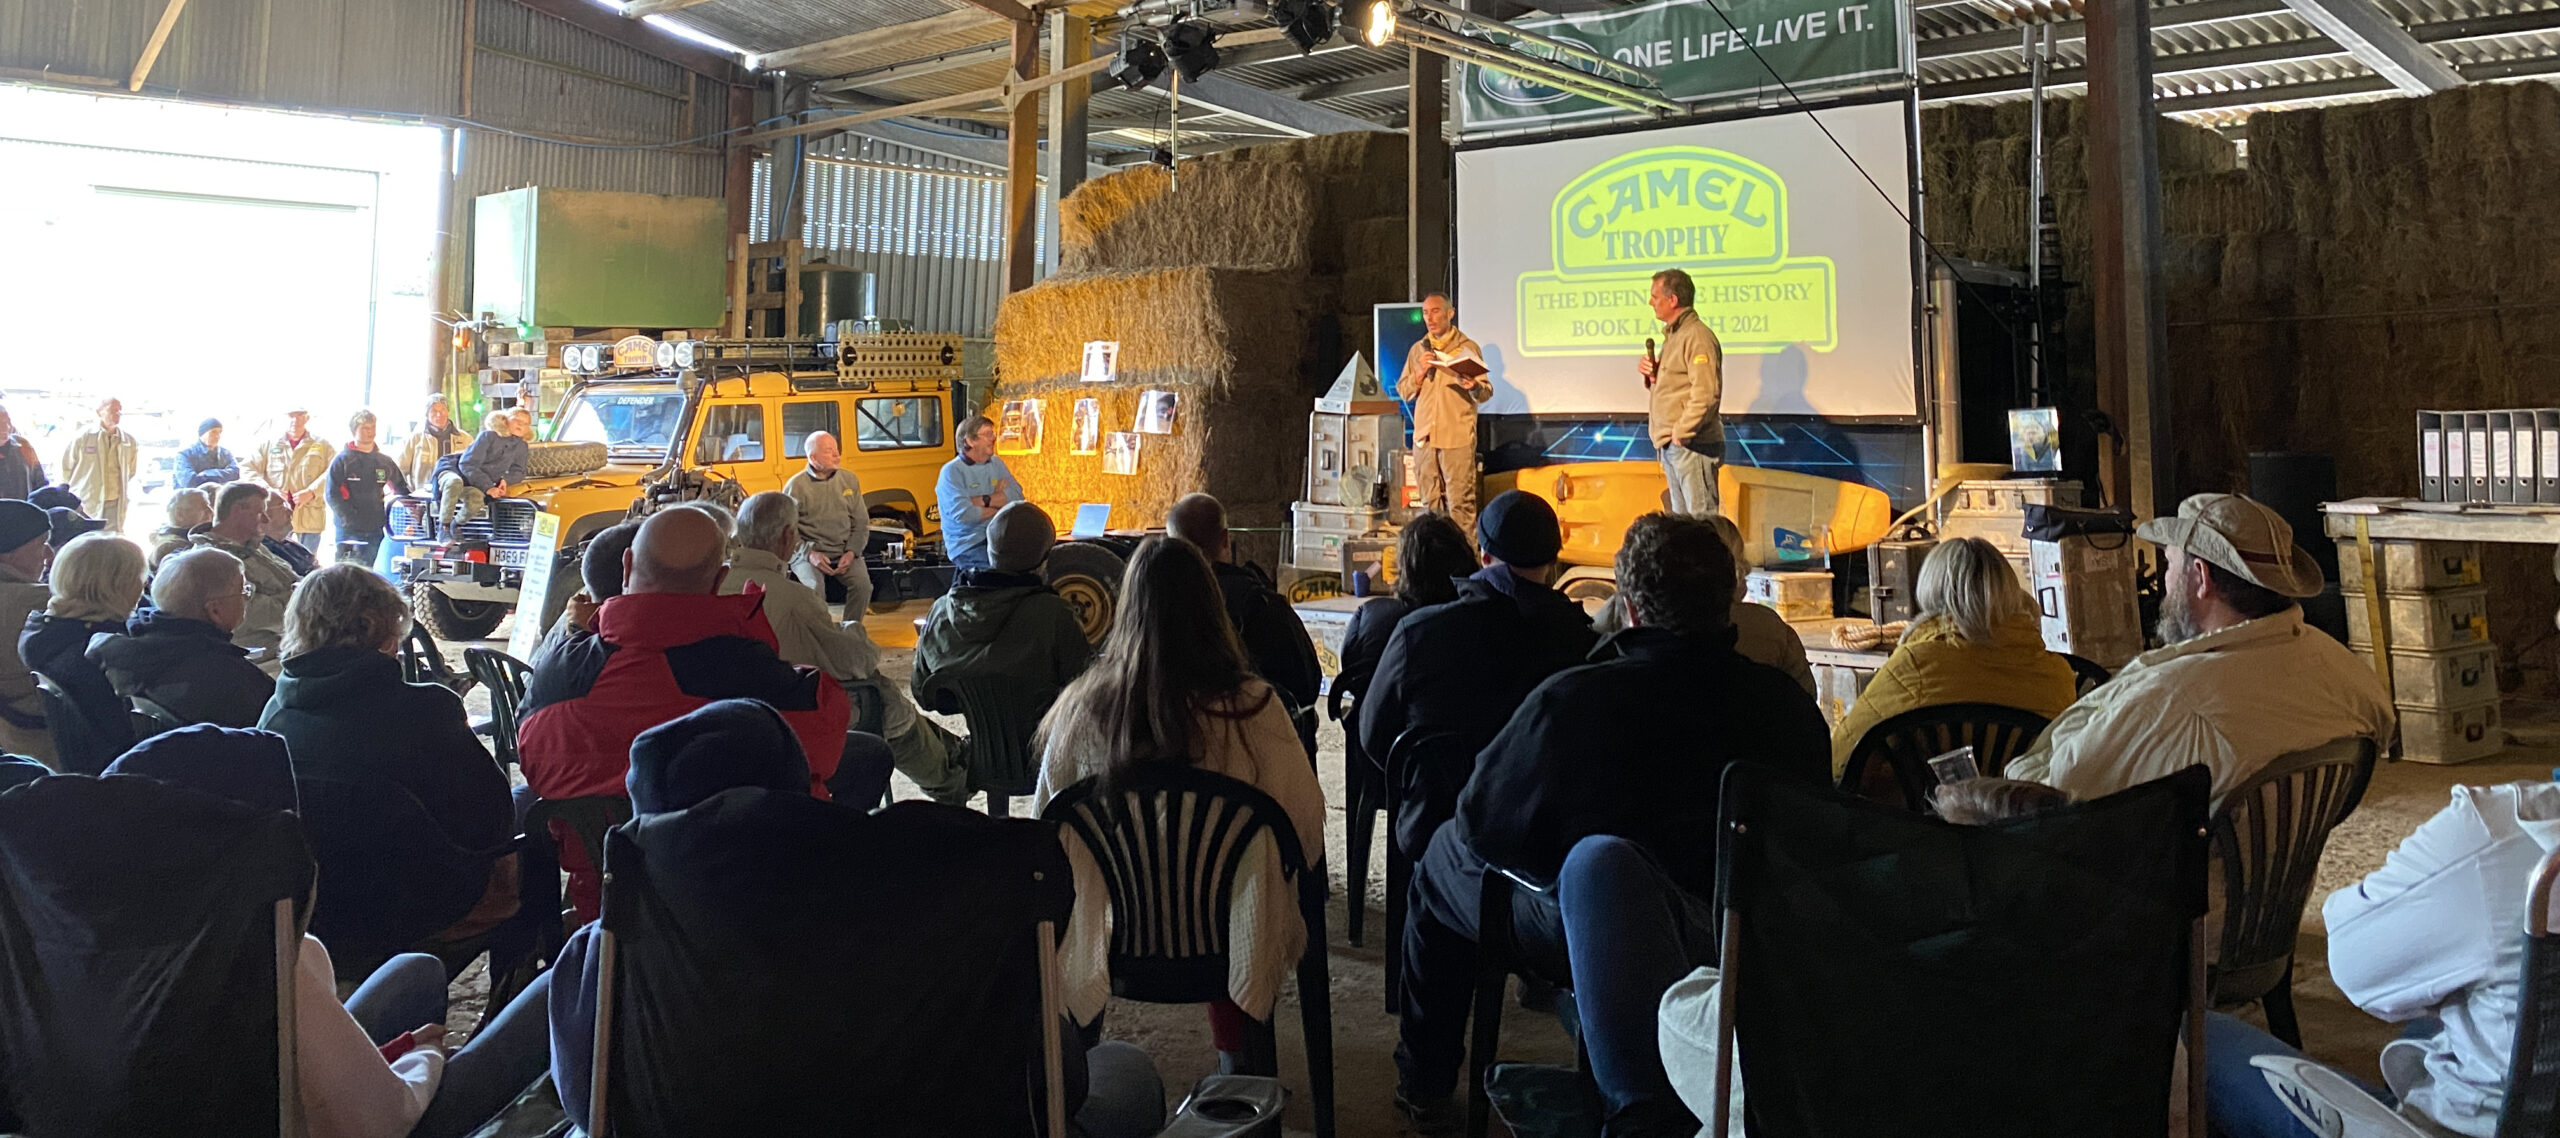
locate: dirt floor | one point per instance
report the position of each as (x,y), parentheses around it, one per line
(1364,1034)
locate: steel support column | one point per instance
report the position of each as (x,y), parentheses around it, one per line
(1070,43)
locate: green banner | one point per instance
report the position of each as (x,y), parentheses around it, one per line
(1699,56)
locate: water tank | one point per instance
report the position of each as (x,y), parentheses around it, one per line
(829,294)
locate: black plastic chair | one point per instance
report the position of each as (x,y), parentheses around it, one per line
(389,877)
(2268,834)
(2532,1106)
(1498,959)
(150,718)
(80,746)
(585,820)
(1169,921)
(1413,748)
(1364,783)
(1904,744)
(2086,674)
(505,677)
(421,662)
(1002,715)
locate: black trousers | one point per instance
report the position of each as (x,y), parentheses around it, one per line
(1440,936)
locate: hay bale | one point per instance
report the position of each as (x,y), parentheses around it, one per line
(1228,343)
(2189,149)
(1230,215)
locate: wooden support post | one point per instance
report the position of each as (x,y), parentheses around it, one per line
(738,182)
(1070,43)
(151,48)
(2124,217)
(1426,175)
(470,50)
(1022,164)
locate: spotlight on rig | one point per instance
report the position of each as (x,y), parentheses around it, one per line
(1193,47)
(1307,23)
(1139,63)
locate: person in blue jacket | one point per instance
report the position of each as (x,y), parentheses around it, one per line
(208,463)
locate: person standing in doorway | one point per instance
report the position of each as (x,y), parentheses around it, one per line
(208,462)
(1685,416)
(357,478)
(296,465)
(1444,412)
(21,472)
(835,526)
(434,440)
(98,464)
(972,488)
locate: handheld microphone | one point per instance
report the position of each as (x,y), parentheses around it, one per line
(1648,347)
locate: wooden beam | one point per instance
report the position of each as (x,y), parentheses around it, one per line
(151,47)
(862,43)
(634,9)
(2124,216)
(1011,92)
(639,37)
(1022,165)
(917,68)
(1009,11)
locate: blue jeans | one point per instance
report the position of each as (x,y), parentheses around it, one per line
(1689,481)
(2240,1103)
(511,1049)
(1636,934)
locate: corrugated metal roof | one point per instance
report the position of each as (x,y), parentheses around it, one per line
(396,56)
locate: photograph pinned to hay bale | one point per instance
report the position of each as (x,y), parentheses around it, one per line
(1088,439)
(1120,453)
(1156,411)
(1209,329)
(1018,427)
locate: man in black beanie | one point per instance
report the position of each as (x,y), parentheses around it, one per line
(1461,667)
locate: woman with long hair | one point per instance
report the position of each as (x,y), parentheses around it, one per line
(1172,687)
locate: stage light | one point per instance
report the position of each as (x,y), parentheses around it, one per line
(1193,47)
(1382,24)
(1139,63)
(1307,23)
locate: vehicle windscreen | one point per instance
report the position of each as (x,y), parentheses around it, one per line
(630,422)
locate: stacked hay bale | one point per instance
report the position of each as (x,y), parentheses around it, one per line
(1241,286)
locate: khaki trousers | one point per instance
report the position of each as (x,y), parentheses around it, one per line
(1445,480)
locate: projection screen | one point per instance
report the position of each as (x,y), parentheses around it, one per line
(1803,268)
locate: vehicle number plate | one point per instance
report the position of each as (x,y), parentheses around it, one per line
(509,558)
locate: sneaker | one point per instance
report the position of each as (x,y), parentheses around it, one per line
(1440,1115)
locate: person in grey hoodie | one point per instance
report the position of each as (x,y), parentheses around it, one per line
(1004,622)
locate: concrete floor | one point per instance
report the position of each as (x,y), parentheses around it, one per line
(2402,795)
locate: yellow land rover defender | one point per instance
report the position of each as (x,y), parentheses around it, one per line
(699,419)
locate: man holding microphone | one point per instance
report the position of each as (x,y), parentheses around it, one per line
(1687,381)
(1444,412)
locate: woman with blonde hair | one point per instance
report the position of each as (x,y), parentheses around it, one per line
(97,583)
(1976,640)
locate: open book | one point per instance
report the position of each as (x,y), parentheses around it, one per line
(1468,364)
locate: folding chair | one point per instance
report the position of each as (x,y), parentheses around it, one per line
(2086,674)
(1002,715)
(1887,973)
(151,718)
(760,973)
(1498,958)
(559,824)
(1891,764)
(389,877)
(421,662)
(193,932)
(505,677)
(80,745)
(1172,841)
(2268,834)
(1364,782)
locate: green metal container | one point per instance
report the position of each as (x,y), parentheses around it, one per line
(552,258)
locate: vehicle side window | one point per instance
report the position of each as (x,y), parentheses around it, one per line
(897,422)
(731,433)
(799,420)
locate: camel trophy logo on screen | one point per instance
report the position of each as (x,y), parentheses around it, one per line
(1719,215)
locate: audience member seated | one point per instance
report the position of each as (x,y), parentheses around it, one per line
(1633,746)
(496,461)
(2242,680)
(735,764)
(1463,667)
(377,1066)
(1002,623)
(190,511)
(342,684)
(1976,640)
(275,531)
(178,653)
(1760,634)
(1172,686)
(1275,641)
(669,644)
(97,581)
(2432,940)
(239,528)
(1432,554)
(1608,895)
(24,552)
(768,534)
(600,571)
(64,524)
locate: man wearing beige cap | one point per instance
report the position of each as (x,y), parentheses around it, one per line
(2241,680)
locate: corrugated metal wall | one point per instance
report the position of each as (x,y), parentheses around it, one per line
(399,56)
(930,227)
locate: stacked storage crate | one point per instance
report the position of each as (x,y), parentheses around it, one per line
(2444,669)
(2084,587)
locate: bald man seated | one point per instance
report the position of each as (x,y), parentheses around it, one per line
(669,644)
(1274,640)
(835,525)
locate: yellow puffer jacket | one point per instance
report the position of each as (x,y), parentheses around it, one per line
(1932,667)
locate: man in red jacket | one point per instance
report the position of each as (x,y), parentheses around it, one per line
(669,644)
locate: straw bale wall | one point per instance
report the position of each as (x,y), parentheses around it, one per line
(2370,260)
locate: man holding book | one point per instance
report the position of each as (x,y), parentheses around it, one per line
(1444,378)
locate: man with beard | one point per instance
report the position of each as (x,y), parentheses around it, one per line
(2241,680)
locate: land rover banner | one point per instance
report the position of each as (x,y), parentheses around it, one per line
(1802,268)
(1699,57)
